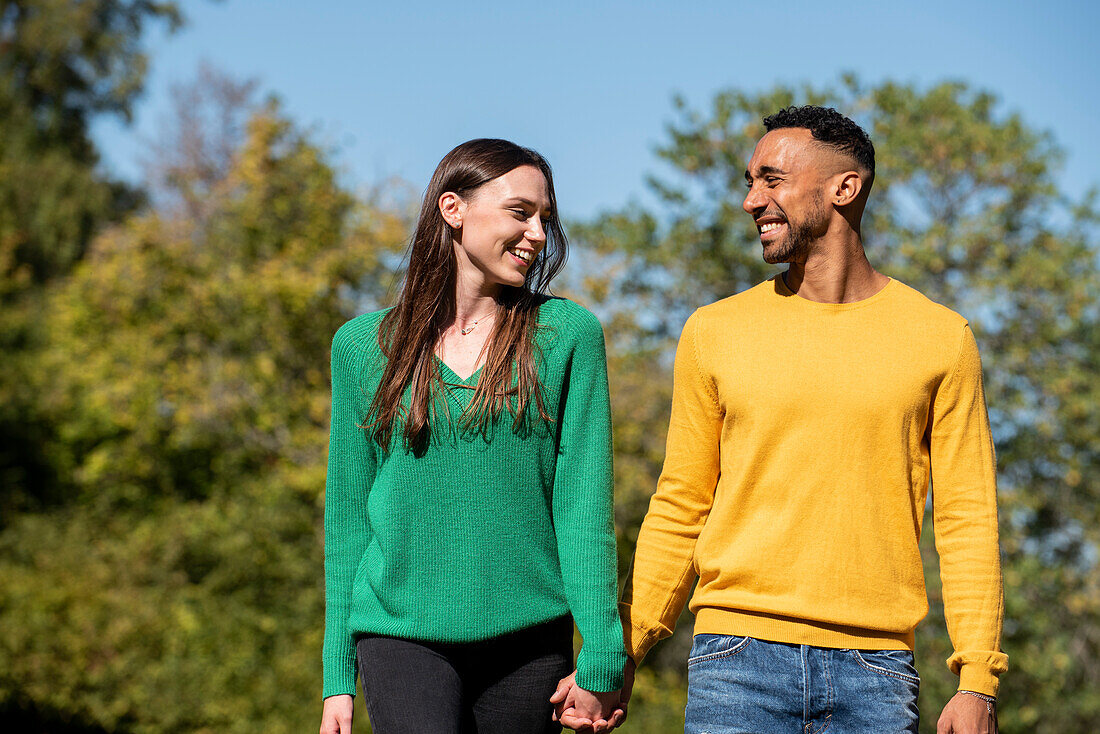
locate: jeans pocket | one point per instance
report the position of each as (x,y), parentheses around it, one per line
(706,647)
(891,663)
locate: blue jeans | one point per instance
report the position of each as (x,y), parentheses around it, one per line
(742,685)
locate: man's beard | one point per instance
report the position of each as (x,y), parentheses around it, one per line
(796,245)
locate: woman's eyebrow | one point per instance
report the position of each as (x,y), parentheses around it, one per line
(528,202)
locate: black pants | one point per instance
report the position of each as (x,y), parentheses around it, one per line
(499,686)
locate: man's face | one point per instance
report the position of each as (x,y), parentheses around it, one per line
(786,194)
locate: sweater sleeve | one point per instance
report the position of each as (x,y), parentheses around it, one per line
(964,499)
(663,569)
(583,509)
(351,470)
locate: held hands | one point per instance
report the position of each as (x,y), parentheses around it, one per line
(585,711)
(336,716)
(589,712)
(966,714)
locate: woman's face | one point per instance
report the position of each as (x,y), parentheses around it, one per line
(500,228)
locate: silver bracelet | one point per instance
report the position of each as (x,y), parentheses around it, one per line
(990,701)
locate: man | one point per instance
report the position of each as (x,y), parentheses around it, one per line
(809,414)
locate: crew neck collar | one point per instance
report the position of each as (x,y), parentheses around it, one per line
(783,291)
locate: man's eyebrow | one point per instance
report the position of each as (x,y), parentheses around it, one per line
(765,170)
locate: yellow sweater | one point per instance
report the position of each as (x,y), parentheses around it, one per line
(801,444)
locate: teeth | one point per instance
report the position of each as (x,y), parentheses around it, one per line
(527,257)
(769,227)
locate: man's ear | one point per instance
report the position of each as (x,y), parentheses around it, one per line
(845,187)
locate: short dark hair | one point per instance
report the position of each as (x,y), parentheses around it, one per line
(829,127)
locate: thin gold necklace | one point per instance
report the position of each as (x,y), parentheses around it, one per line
(465,330)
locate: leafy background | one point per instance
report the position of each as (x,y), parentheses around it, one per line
(164,392)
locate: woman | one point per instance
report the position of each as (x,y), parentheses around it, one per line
(468,512)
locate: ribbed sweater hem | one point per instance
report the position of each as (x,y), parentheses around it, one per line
(366,623)
(776,628)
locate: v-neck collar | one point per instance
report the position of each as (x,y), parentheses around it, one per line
(459,392)
(450,373)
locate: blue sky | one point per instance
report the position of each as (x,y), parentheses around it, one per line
(391,87)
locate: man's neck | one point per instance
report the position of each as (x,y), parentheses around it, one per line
(835,273)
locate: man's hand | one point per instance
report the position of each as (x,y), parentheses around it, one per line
(336,716)
(629,669)
(966,714)
(587,712)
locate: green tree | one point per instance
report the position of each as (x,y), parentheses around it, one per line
(62,64)
(186,371)
(967,209)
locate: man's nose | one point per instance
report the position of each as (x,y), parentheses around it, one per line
(754,200)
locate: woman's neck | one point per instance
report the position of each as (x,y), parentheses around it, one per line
(474,302)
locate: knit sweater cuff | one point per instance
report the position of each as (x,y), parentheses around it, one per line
(600,671)
(638,638)
(978,678)
(339,677)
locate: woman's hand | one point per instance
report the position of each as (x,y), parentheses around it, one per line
(595,707)
(336,717)
(586,711)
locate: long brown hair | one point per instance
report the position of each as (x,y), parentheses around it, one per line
(410,332)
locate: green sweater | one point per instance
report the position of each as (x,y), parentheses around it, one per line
(486,533)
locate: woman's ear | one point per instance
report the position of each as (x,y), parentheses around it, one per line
(452,207)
